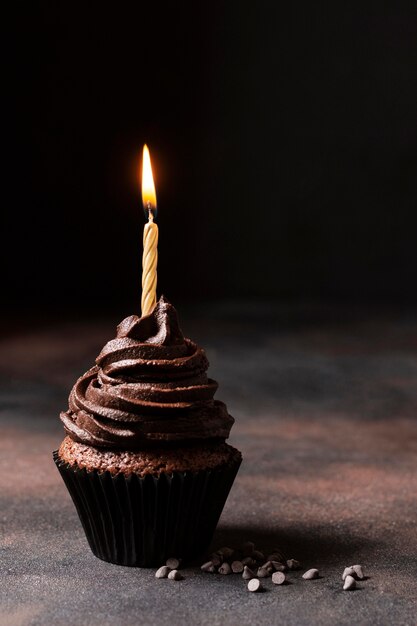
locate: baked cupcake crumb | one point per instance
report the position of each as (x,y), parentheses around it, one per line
(147,462)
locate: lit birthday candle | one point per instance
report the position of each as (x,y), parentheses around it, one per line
(150,237)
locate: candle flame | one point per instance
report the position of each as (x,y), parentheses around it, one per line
(148,186)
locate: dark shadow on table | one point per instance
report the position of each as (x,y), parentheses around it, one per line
(314,544)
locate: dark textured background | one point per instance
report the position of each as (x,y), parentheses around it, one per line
(284,147)
(283,138)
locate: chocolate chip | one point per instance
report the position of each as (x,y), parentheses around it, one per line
(350,583)
(358,571)
(225,569)
(216,559)
(278,567)
(311,574)
(262,572)
(348,571)
(174,575)
(237,567)
(293,564)
(226,552)
(173,563)
(254,585)
(162,572)
(258,556)
(277,555)
(268,567)
(249,561)
(247,573)
(208,567)
(278,578)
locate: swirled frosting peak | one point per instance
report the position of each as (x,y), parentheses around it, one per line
(149,387)
(160,327)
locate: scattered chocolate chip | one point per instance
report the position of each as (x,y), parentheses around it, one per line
(247,548)
(237,567)
(358,571)
(225,569)
(216,559)
(293,564)
(278,566)
(268,567)
(247,573)
(348,571)
(350,583)
(162,572)
(277,555)
(173,563)
(258,556)
(254,585)
(226,552)
(249,561)
(208,567)
(278,578)
(262,572)
(174,575)
(311,574)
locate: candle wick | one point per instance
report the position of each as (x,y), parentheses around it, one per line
(150,212)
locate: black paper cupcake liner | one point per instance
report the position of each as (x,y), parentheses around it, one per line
(142,521)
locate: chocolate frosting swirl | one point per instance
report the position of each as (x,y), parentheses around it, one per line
(149,387)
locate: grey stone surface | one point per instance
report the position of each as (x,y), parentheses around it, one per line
(326,417)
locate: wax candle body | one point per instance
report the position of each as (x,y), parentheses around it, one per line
(149,265)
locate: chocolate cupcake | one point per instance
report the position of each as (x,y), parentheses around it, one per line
(145,458)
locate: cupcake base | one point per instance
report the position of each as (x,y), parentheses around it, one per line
(141,521)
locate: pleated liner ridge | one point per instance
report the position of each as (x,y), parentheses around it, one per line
(142,521)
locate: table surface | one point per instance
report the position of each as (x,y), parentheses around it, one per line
(325,402)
